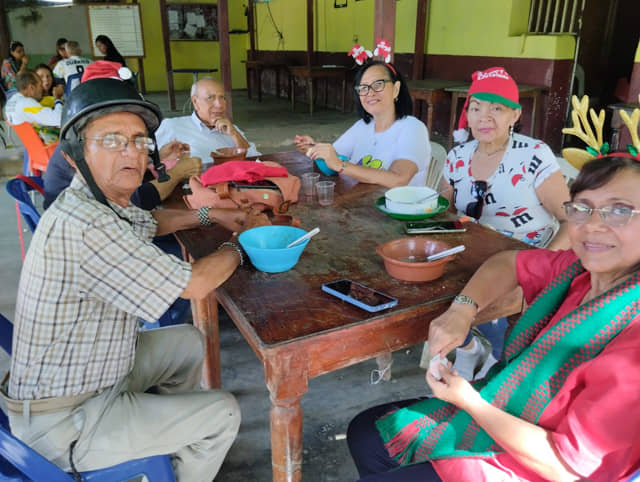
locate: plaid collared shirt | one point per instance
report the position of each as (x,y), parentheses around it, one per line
(86,279)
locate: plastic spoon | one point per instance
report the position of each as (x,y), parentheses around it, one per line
(304,237)
(445,253)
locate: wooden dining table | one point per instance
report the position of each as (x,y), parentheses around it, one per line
(299,332)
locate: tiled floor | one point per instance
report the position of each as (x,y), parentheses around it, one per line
(332,399)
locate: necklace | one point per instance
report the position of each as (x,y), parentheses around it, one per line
(493,153)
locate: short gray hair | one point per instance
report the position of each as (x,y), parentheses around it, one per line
(194,86)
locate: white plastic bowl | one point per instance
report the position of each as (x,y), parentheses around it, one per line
(410,200)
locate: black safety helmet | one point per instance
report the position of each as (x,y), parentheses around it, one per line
(96,98)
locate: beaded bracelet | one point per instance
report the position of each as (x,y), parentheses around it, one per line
(234,246)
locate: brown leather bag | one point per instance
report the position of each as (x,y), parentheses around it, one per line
(225,195)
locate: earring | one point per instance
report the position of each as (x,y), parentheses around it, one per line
(510,131)
(395,100)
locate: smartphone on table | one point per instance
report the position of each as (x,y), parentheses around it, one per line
(359,295)
(434,227)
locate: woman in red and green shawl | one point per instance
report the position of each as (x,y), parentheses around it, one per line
(563,402)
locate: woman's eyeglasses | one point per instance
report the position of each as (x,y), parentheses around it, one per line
(479,191)
(119,142)
(615,215)
(376,86)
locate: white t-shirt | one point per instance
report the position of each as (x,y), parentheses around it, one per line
(407,138)
(70,66)
(511,204)
(201,139)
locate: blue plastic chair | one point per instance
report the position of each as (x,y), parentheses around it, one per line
(19,462)
(19,188)
(71,83)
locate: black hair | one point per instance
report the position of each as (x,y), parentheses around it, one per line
(45,66)
(14,45)
(112,52)
(599,171)
(60,43)
(404,106)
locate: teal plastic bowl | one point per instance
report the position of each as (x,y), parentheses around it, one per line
(324,169)
(265,246)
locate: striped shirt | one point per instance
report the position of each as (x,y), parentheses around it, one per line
(86,279)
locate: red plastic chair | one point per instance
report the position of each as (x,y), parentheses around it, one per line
(39,154)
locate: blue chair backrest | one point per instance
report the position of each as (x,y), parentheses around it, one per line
(71,83)
(18,189)
(19,462)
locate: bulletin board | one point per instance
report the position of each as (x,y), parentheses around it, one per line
(193,21)
(121,23)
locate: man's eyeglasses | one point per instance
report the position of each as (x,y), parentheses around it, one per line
(479,191)
(376,86)
(615,215)
(119,142)
(210,99)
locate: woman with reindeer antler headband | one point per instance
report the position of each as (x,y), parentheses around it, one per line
(387,146)
(563,402)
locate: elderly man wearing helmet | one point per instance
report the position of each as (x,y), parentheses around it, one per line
(87,390)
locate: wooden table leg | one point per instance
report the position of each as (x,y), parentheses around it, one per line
(292,80)
(205,318)
(259,83)
(452,118)
(430,118)
(287,381)
(310,87)
(249,75)
(344,93)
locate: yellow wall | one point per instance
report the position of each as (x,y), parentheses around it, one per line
(456,27)
(191,53)
(637,59)
(488,28)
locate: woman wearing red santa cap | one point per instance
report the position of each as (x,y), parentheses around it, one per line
(505,180)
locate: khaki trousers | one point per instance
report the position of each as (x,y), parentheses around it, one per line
(123,422)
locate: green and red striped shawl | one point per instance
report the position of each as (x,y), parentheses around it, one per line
(525,380)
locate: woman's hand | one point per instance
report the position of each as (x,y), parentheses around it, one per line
(303,143)
(58,91)
(186,167)
(449,330)
(327,152)
(453,388)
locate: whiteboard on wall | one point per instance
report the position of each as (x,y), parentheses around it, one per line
(121,23)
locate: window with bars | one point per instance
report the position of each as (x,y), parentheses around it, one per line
(555,16)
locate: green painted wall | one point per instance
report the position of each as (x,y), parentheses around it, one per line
(456,27)
(190,53)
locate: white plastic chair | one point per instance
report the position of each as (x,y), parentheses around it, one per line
(434,173)
(568,171)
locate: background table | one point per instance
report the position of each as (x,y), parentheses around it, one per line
(194,72)
(430,91)
(525,91)
(255,68)
(299,332)
(310,73)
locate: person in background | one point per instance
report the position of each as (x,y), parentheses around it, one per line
(110,52)
(563,404)
(208,128)
(50,91)
(387,146)
(507,181)
(25,106)
(13,65)
(61,53)
(73,64)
